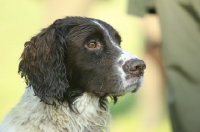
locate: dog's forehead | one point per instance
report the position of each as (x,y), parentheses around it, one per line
(102,25)
(82,24)
(109,30)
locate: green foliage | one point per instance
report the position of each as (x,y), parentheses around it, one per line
(124,105)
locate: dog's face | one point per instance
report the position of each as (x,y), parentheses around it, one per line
(76,55)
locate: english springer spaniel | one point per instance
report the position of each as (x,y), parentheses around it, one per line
(70,68)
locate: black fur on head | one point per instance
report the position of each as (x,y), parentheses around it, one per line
(42,62)
(57,65)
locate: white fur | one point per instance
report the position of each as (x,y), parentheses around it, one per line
(32,115)
(125,56)
(107,33)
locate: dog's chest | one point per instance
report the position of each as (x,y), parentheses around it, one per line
(32,115)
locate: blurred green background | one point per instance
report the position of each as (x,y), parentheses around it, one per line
(21,19)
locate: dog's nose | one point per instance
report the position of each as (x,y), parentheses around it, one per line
(134,65)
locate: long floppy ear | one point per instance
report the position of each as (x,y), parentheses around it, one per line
(42,64)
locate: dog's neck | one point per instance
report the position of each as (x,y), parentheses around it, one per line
(61,118)
(90,116)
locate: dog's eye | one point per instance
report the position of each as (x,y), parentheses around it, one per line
(92,45)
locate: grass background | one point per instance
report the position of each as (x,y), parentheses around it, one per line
(21,19)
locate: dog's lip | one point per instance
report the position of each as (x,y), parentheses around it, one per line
(131,82)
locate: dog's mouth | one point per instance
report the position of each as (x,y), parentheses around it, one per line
(130,85)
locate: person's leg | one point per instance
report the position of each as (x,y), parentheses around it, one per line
(180,28)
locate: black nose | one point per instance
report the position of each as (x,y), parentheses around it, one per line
(134,65)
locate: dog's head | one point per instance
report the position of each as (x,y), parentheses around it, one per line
(76,55)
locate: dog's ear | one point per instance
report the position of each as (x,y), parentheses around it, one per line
(43,63)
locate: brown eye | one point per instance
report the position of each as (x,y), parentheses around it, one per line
(92,45)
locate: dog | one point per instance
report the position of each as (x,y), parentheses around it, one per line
(70,69)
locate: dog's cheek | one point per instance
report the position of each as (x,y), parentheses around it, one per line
(105,81)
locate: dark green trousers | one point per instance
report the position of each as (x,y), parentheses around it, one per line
(180,27)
